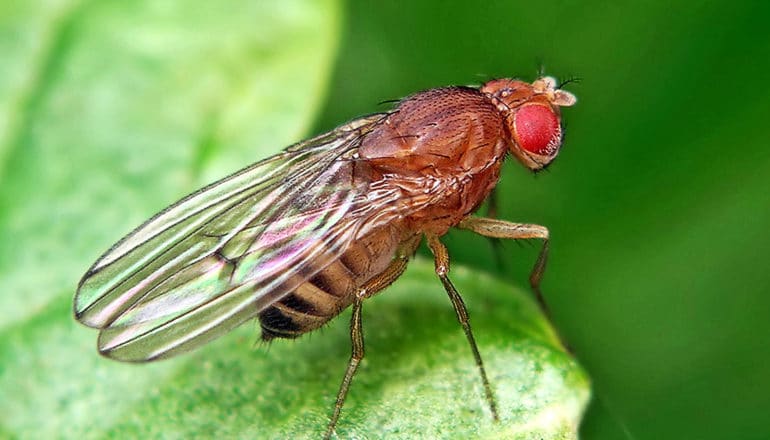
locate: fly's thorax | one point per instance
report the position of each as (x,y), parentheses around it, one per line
(440,131)
(453,199)
(444,146)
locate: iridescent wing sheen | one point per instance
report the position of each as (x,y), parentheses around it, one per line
(223,254)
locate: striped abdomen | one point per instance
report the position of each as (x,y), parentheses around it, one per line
(323,296)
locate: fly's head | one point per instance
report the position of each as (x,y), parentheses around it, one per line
(533,117)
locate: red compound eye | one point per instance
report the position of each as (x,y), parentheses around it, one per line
(537,129)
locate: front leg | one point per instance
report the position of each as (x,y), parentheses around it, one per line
(494,228)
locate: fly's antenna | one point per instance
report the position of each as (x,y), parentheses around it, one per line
(570,80)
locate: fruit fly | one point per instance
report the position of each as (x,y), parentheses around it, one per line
(300,236)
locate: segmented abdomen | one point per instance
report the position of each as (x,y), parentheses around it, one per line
(327,293)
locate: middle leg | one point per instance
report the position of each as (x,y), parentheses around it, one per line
(441,259)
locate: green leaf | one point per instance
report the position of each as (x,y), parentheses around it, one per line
(418,378)
(109,111)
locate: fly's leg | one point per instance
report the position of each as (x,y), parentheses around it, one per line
(497,250)
(371,287)
(441,260)
(494,228)
(357,353)
(517,231)
(493,204)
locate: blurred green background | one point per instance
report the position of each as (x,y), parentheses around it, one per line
(658,204)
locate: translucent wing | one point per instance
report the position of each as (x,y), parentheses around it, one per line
(221,255)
